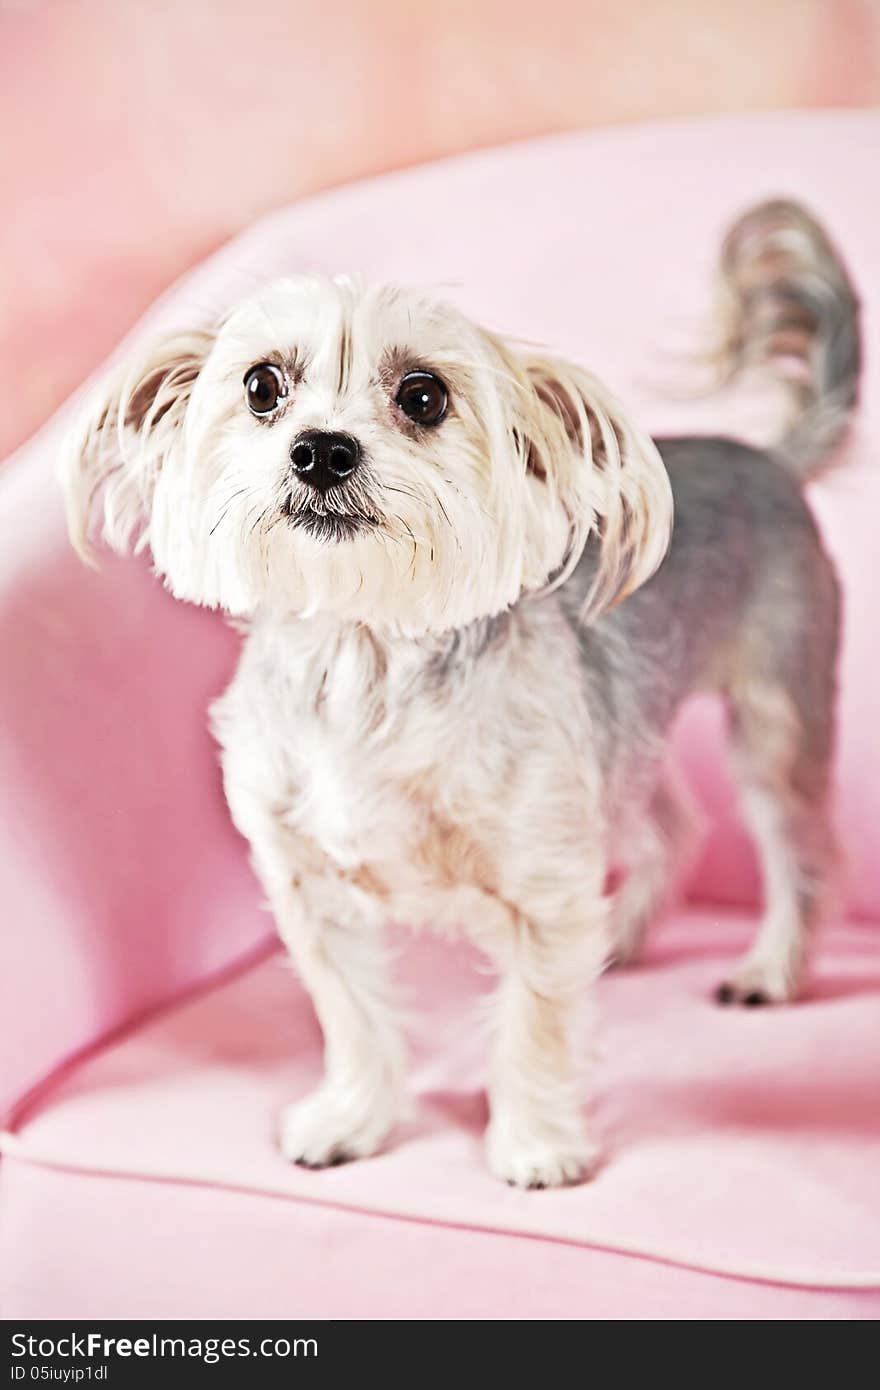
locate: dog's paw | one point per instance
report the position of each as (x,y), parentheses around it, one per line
(531,1161)
(322,1130)
(760,981)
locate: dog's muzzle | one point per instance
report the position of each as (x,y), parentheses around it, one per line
(324,462)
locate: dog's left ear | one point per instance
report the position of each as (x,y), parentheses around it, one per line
(605,473)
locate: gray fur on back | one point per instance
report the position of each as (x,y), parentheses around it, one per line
(745,561)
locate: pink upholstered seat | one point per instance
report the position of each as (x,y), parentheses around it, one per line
(142,1180)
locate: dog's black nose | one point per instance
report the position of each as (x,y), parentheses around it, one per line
(323,459)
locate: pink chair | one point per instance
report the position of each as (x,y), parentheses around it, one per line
(150,1029)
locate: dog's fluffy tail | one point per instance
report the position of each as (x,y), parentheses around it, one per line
(790,308)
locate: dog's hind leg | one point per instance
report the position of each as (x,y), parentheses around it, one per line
(782,736)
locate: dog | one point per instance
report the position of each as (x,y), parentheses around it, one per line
(474,595)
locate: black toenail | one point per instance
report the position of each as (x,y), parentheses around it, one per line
(756,997)
(724,994)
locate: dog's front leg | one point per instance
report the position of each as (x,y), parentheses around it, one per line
(537,1135)
(333,929)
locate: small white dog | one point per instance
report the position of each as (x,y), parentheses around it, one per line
(444,713)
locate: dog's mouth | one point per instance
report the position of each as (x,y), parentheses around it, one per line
(328,524)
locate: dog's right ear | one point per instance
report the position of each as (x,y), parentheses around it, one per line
(128,427)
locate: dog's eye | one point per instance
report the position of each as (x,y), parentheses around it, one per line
(263,388)
(423,398)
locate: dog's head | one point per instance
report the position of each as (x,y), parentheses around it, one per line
(366,451)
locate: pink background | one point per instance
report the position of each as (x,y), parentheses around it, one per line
(140,134)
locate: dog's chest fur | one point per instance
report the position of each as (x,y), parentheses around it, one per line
(413,766)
